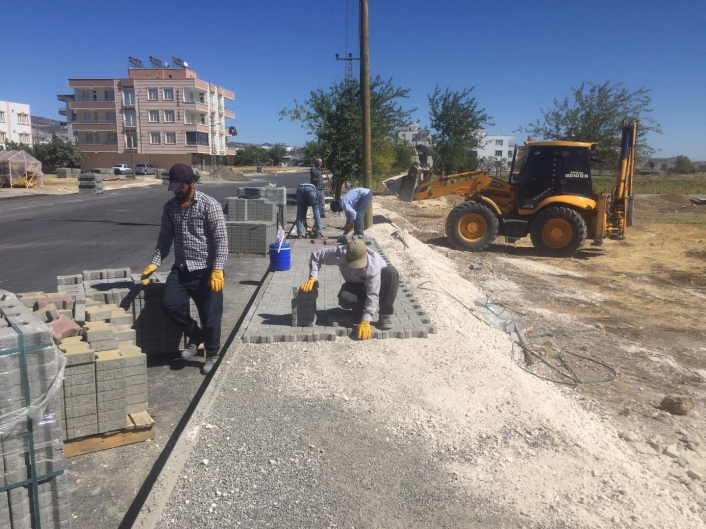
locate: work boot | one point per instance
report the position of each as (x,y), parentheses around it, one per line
(191,350)
(384,322)
(208,364)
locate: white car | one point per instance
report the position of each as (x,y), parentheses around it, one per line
(122,168)
(145,169)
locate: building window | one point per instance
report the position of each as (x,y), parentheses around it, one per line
(509,154)
(499,154)
(201,98)
(155,137)
(131,140)
(130,118)
(197,138)
(499,142)
(2,117)
(22,119)
(168,94)
(170,137)
(112,138)
(154,116)
(128,96)
(3,136)
(169,116)
(153,94)
(109,95)
(203,119)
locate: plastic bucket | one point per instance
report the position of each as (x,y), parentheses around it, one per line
(281,260)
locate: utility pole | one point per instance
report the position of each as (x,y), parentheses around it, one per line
(365,104)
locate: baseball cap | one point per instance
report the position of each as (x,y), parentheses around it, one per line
(179,175)
(357,254)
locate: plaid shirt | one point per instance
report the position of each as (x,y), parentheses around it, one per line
(198,233)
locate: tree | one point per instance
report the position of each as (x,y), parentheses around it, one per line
(277,153)
(682,165)
(17,146)
(594,114)
(455,117)
(57,153)
(334,118)
(250,155)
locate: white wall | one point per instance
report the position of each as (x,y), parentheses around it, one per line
(488,146)
(10,126)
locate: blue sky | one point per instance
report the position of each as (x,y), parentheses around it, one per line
(519,55)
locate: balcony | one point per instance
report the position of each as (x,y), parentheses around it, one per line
(95,121)
(96,99)
(229,113)
(197,144)
(87,142)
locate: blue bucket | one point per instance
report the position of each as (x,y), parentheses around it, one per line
(281,260)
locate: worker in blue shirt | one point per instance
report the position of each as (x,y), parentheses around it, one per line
(355,204)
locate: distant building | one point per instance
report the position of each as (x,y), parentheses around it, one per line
(655,166)
(160,116)
(15,123)
(495,146)
(413,135)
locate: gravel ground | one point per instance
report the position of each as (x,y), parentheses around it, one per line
(443,432)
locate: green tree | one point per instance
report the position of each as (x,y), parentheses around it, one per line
(276,153)
(57,153)
(17,146)
(454,119)
(334,118)
(250,155)
(682,165)
(594,113)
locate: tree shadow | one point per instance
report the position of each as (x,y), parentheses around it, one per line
(102,221)
(584,253)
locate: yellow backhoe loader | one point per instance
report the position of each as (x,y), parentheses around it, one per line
(549,196)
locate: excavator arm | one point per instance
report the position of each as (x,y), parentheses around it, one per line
(622,204)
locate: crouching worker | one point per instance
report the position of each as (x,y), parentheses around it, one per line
(194,222)
(369,282)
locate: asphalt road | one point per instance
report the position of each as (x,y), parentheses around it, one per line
(43,236)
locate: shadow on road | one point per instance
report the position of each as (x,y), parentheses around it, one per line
(115,222)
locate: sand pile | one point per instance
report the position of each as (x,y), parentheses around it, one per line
(225,173)
(518,443)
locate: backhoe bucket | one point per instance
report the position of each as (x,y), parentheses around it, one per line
(403,186)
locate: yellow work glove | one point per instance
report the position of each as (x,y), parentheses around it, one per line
(217,280)
(364,330)
(347,228)
(309,285)
(146,273)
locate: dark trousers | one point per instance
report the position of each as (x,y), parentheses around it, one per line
(181,286)
(361,208)
(322,203)
(353,295)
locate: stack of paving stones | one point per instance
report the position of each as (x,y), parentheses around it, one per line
(155,333)
(251,224)
(90,184)
(274,319)
(304,306)
(17,504)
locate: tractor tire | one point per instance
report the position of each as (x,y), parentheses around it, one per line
(558,232)
(471,226)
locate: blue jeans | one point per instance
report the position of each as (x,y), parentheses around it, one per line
(307,197)
(361,208)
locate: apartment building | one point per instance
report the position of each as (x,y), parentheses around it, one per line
(495,146)
(15,123)
(413,135)
(160,116)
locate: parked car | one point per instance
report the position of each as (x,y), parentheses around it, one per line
(145,168)
(122,168)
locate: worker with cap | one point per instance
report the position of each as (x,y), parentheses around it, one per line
(355,204)
(369,283)
(317,180)
(194,222)
(306,198)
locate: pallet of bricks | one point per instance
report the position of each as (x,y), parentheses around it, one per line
(252,222)
(90,184)
(34,489)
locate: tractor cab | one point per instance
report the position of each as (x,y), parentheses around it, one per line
(543,169)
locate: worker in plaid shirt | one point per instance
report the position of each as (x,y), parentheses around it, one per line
(194,222)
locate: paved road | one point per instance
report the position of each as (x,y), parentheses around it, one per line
(48,235)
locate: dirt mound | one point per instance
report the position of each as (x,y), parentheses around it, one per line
(225,173)
(676,199)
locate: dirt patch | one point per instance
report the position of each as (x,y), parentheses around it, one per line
(646,294)
(225,173)
(69,186)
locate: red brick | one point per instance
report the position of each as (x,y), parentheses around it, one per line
(64,327)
